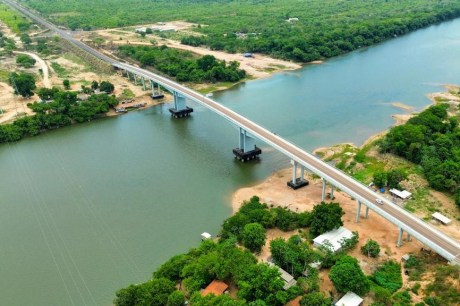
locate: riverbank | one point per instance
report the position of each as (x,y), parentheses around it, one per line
(274,191)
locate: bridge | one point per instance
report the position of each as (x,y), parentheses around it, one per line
(300,159)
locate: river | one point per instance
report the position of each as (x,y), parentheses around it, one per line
(91,208)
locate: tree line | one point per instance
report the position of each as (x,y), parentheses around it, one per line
(61,109)
(322,28)
(432,140)
(184,65)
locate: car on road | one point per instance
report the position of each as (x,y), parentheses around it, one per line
(379,201)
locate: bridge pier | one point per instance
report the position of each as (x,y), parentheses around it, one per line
(143,83)
(367,212)
(247,149)
(358,211)
(156,93)
(180,107)
(323,192)
(297,182)
(400,237)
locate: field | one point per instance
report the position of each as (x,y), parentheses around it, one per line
(12,19)
(318,28)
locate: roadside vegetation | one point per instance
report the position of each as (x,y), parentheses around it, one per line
(184,65)
(431,140)
(13,20)
(320,29)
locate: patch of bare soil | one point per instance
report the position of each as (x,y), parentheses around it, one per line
(259,66)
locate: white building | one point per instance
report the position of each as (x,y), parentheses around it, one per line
(441,218)
(350,299)
(333,239)
(401,194)
(288,279)
(205,236)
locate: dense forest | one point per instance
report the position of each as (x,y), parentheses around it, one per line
(318,28)
(183,65)
(432,140)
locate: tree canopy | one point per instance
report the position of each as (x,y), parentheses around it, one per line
(22,83)
(346,275)
(325,217)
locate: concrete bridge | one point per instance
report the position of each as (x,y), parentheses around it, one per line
(300,159)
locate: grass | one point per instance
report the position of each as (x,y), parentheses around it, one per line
(4,75)
(11,18)
(420,201)
(76,59)
(60,71)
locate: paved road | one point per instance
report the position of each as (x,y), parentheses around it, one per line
(427,234)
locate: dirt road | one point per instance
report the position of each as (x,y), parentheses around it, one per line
(42,65)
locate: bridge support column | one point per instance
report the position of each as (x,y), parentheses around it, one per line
(358,211)
(332,193)
(297,182)
(180,107)
(367,212)
(143,83)
(128,76)
(323,192)
(408,237)
(156,93)
(247,149)
(400,237)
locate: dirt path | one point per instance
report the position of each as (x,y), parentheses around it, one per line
(43,67)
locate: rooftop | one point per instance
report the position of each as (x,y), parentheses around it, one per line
(401,194)
(441,218)
(216,287)
(349,299)
(334,238)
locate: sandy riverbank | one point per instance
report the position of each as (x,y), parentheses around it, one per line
(274,191)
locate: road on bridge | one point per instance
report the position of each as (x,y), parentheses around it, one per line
(425,233)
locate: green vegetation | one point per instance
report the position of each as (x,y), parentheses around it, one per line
(60,71)
(253,237)
(346,275)
(22,83)
(388,276)
(371,248)
(390,178)
(66,84)
(7,44)
(325,217)
(13,20)
(430,139)
(325,28)
(183,65)
(63,110)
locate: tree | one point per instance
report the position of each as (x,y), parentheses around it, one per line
(66,84)
(371,248)
(259,282)
(325,217)
(346,275)
(94,85)
(176,298)
(25,38)
(47,93)
(106,86)
(315,299)
(380,179)
(253,236)
(395,176)
(158,290)
(457,197)
(25,61)
(22,83)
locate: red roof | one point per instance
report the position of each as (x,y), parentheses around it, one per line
(216,287)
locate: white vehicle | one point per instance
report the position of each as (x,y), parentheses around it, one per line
(379,201)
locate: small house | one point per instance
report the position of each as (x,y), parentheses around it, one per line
(216,287)
(441,218)
(288,279)
(350,299)
(333,239)
(405,257)
(401,194)
(248,54)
